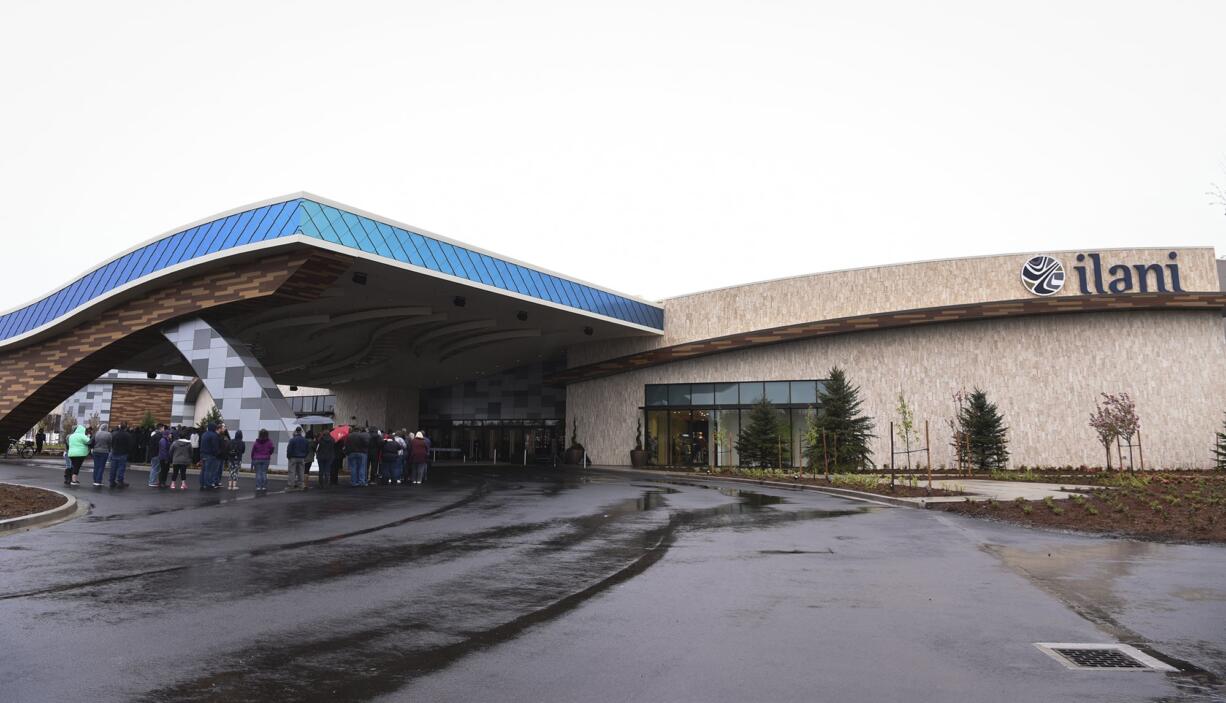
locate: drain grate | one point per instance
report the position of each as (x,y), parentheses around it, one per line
(1102,657)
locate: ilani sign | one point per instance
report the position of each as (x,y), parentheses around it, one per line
(1044,275)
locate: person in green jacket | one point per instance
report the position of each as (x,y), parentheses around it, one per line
(78,449)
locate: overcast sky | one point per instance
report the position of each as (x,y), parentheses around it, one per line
(656,148)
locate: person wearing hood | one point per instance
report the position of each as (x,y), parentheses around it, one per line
(78,449)
(261,453)
(165,440)
(234,451)
(101,449)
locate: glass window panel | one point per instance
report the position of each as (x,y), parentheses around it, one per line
(494,274)
(276,220)
(525,281)
(218,240)
(727,428)
(542,290)
(726,393)
(440,259)
(679,438)
(360,235)
(783,454)
(253,223)
(200,242)
(589,299)
(656,395)
(656,437)
(140,259)
(472,264)
(509,278)
(423,250)
(804,392)
(702,394)
(800,429)
(104,280)
(751,393)
(236,233)
(159,248)
(457,266)
(777,392)
(336,220)
(397,243)
(679,394)
(569,295)
(821,388)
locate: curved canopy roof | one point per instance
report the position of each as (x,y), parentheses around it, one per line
(338,227)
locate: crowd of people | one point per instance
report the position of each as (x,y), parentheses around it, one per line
(369,454)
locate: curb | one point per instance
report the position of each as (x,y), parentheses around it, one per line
(829,490)
(46,516)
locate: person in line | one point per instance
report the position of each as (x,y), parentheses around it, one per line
(224,433)
(121,447)
(296,451)
(356,446)
(338,460)
(180,457)
(310,457)
(374,447)
(101,451)
(234,454)
(78,449)
(153,456)
(325,446)
(261,453)
(211,457)
(193,435)
(40,438)
(419,454)
(165,441)
(388,451)
(401,456)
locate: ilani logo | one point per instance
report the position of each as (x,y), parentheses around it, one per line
(1044,275)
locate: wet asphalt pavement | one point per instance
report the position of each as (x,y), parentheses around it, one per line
(515,584)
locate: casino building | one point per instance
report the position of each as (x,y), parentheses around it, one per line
(500,359)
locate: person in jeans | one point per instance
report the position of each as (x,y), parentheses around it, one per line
(261,453)
(180,458)
(296,450)
(389,449)
(356,446)
(121,447)
(210,457)
(78,449)
(101,450)
(153,457)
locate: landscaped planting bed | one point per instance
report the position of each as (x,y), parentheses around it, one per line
(912,486)
(1186,506)
(16,501)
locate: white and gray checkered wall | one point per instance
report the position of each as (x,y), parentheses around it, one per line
(242,389)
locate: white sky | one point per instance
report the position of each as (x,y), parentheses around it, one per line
(656,148)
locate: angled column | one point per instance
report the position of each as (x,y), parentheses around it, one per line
(242,390)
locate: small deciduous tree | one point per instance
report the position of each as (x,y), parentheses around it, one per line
(1114,417)
(839,426)
(986,436)
(758,443)
(905,429)
(68,425)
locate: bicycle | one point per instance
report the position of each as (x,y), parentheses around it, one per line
(18,448)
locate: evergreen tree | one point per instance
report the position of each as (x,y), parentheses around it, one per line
(758,441)
(985,432)
(212,417)
(847,431)
(1219,450)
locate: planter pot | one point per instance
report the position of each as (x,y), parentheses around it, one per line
(574,457)
(638,457)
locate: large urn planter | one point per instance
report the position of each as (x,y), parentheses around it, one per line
(638,458)
(573,457)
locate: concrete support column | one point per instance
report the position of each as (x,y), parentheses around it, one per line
(380,406)
(242,389)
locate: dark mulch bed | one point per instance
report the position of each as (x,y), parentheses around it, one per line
(16,501)
(1179,507)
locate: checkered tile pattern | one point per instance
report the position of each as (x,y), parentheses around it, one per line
(242,390)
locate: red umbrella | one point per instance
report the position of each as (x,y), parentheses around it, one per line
(340,433)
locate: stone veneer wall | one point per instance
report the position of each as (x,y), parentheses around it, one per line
(1045,374)
(130,401)
(379,406)
(835,294)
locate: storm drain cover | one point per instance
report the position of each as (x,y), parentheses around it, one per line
(1102,657)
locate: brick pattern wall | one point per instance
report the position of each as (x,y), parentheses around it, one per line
(35,378)
(130,402)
